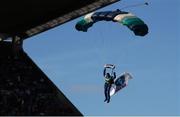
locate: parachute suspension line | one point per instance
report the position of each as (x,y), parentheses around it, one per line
(136,5)
(99,48)
(103,46)
(112,72)
(102,49)
(106,44)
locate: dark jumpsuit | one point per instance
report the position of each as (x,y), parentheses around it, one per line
(107,86)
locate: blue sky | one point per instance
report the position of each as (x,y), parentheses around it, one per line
(74,61)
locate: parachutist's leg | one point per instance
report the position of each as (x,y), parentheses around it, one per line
(105,91)
(108,93)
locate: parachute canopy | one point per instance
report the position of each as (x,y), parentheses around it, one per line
(125,18)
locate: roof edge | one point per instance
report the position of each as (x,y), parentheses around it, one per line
(65,18)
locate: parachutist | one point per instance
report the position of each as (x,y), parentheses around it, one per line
(109,80)
(112,84)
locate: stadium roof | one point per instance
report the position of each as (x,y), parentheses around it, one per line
(26,18)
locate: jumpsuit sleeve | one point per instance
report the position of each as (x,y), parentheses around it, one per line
(114,75)
(104,72)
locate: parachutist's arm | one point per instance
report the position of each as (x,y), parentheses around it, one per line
(104,72)
(114,75)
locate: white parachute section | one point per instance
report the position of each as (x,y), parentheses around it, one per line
(120,82)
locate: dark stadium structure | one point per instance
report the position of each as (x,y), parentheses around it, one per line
(24,88)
